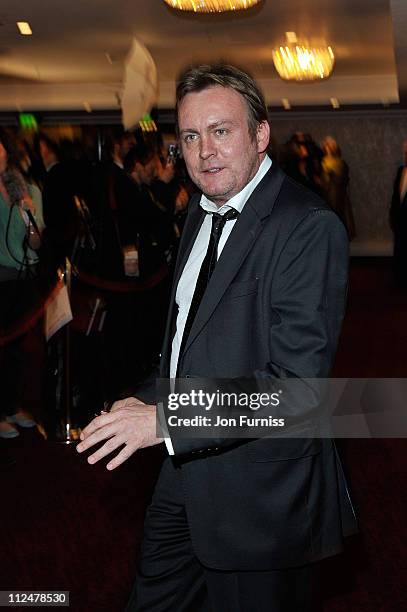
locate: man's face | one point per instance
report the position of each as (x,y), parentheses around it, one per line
(219,152)
(165,172)
(148,171)
(125,145)
(43,150)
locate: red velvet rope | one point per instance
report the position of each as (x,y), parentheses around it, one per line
(133,286)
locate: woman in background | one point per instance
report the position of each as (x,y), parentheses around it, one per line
(335,183)
(21,225)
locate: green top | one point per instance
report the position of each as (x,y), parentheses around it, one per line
(13,249)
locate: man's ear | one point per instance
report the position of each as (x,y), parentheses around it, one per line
(263,136)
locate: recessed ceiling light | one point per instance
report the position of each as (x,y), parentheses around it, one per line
(291,37)
(286,103)
(24,27)
(335,102)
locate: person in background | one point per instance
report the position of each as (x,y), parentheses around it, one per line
(335,183)
(165,186)
(110,205)
(301,159)
(21,226)
(60,211)
(104,305)
(29,163)
(155,242)
(168,189)
(398,222)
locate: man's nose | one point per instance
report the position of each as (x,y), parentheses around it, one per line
(207,148)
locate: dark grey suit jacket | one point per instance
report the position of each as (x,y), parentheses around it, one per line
(273,308)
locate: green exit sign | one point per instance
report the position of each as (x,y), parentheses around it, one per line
(28,121)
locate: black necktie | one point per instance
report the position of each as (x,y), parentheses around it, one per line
(205,273)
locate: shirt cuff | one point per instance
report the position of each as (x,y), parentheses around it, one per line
(169,446)
(167,438)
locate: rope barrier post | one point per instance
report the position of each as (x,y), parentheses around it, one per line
(66,434)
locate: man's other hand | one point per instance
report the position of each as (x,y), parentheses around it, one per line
(130,423)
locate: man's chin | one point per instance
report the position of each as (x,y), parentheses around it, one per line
(216,194)
(217,198)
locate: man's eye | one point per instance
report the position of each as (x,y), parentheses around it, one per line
(190,137)
(221,132)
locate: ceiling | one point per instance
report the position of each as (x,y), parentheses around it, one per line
(75,56)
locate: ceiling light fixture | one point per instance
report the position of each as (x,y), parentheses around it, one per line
(303,63)
(211,6)
(24,27)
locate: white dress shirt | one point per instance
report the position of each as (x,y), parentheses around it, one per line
(187,282)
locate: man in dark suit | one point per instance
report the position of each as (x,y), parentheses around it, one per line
(239,526)
(61,217)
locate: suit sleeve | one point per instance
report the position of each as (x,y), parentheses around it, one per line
(306,307)
(308,298)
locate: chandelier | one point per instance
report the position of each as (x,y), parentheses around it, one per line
(211,6)
(303,63)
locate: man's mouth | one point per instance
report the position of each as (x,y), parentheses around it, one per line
(212,170)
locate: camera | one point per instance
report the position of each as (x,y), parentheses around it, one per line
(172,153)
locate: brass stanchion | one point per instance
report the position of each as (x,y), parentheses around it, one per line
(66,434)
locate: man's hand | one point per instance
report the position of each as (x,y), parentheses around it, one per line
(130,422)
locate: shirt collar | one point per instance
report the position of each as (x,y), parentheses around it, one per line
(239,200)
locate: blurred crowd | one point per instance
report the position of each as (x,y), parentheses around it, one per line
(321,169)
(110,229)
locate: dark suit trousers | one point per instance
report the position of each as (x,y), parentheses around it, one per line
(170,578)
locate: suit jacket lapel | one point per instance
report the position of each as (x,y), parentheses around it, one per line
(240,242)
(193,224)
